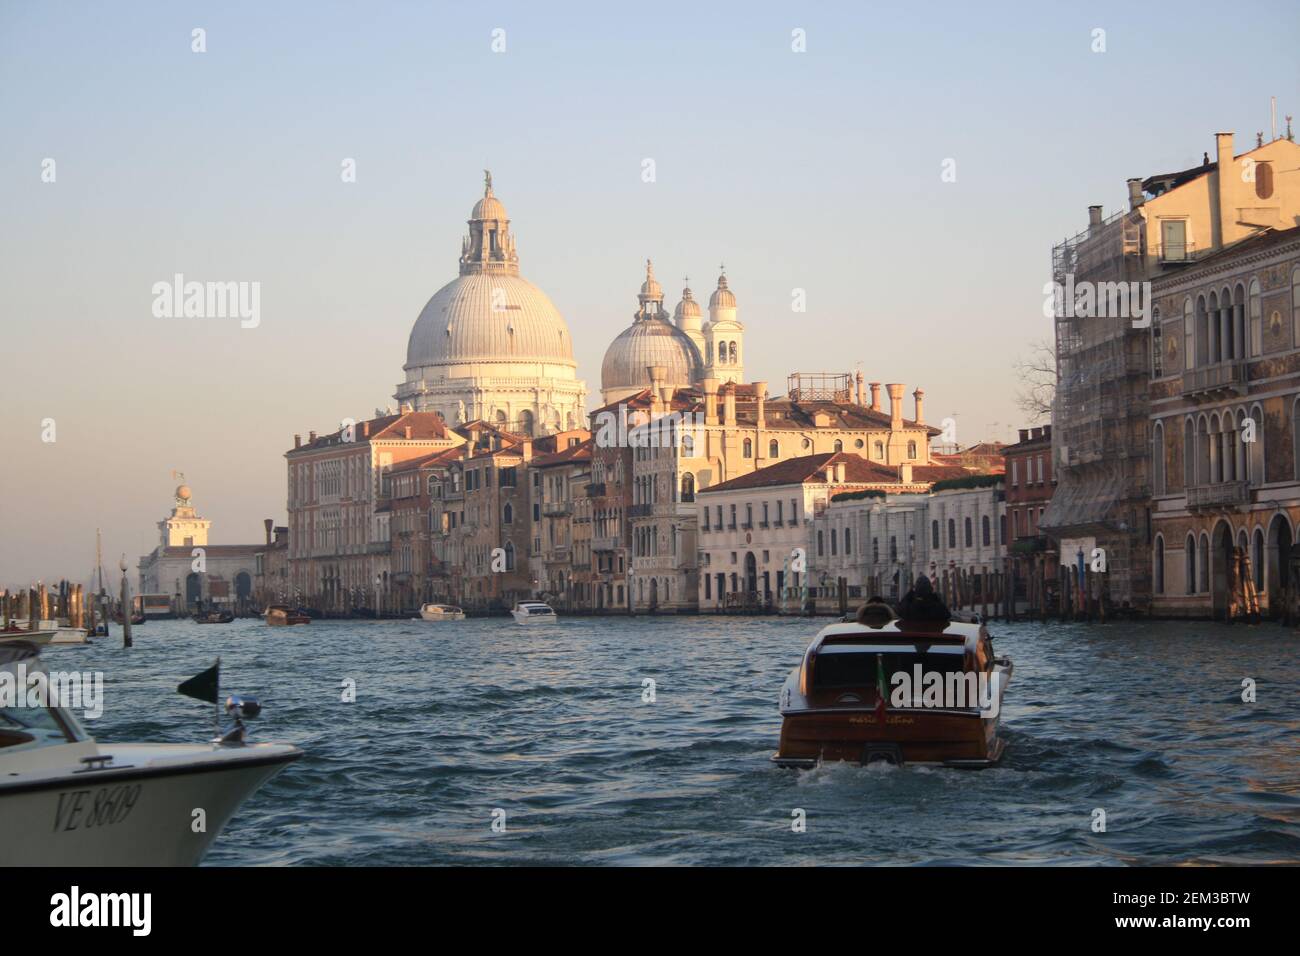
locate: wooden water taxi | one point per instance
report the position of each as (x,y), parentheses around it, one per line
(905,692)
(281,615)
(441,612)
(213,617)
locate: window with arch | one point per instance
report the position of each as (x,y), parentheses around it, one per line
(911,449)
(1203,564)
(839,445)
(1256,318)
(1157,351)
(934,534)
(1255,455)
(510,556)
(1189,571)
(952,532)
(773,449)
(733,359)
(1158,458)
(986,531)
(1257,558)
(688,487)
(970,536)
(1189,335)
(749,448)
(1158,576)
(1189,454)
(508,514)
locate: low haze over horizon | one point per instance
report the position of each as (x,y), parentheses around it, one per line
(817,171)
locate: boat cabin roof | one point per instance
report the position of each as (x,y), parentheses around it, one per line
(534,604)
(869,638)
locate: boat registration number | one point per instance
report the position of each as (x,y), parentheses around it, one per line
(100,807)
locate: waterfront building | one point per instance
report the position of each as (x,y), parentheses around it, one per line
(190,570)
(1101,414)
(271,577)
(407,493)
(490,345)
(1225,425)
(339,517)
(557,480)
(1030,482)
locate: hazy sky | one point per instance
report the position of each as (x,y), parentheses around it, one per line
(816,170)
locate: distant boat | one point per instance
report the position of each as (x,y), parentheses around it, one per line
(15,635)
(213,617)
(441,612)
(281,615)
(533,612)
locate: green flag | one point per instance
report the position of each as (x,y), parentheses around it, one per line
(203,686)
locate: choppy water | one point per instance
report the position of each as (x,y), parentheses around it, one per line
(452,721)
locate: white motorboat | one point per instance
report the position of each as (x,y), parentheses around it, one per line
(62,633)
(533,612)
(441,612)
(24,636)
(69,800)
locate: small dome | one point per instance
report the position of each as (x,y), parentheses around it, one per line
(688,308)
(722,297)
(651,289)
(650,342)
(489,207)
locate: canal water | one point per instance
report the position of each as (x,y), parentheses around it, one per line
(452,722)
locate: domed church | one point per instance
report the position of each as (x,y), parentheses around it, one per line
(688,349)
(490,345)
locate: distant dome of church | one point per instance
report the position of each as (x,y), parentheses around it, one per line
(651,340)
(723,297)
(688,308)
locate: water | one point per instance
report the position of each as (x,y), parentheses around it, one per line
(452,721)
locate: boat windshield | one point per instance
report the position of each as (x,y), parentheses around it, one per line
(31,727)
(841,669)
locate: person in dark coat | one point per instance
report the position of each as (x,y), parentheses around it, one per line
(922,604)
(875,612)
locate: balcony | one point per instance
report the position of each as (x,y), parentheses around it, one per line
(557,509)
(606,543)
(596,489)
(1221,495)
(640,511)
(1215,381)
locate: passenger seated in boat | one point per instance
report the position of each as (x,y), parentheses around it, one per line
(922,604)
(875,612)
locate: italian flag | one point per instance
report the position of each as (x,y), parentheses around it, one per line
(880,689)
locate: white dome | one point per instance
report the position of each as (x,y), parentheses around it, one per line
(650,342)
(459,325)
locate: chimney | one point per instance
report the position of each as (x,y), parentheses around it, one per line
(1227,177)
(1024,434)
(526,449)
(760,394)
(407,432)
(857,390)
(311,437)
(1047,431)
(297,441)
(905,473)
(919,397)
(1094,217)
(839,472)
(729,407)
(1036,433)
(895,405)
(1135,197)
(710,386)
(365,429)
(875,396)
(269,523)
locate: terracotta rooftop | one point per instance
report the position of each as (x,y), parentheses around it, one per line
(425,426)
(811,469)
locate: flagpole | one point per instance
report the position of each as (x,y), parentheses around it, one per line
(216,704)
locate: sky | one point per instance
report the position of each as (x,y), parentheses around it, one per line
(819,170)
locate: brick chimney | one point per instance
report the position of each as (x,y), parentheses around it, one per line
(919,396)
(875,396)
(406,432)
(905,473)
(895,405)
(311,437)
(297,441)
(858,395)
(365,429)
(710,386)
(526,449)
(1228,179)
(839,472)
(1094,217)
(729,407)
(760,394)
(1135,197)
(269,523)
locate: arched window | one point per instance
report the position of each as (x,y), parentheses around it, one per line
(1158,578)
(1256,451)
(934,534)
(1256,318)
(952,533)
(1189,571)
(508,514)
(1158,458)
(1203,563)
(986,531)
(1189,334)
(1189,455)
(688,487)
(879,449)
(773,449)
(970,537)
(839,445)
(1257,558)
(911,449)
(848,541)
(1295,308)
(749,448)
(510,556)
(734,359)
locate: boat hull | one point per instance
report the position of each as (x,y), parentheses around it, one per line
(132,816)
(911,736)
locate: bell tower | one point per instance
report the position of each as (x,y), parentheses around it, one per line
(724,336)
